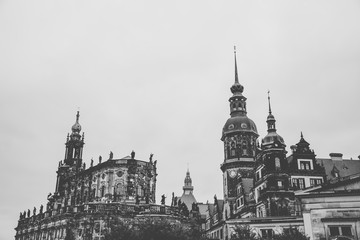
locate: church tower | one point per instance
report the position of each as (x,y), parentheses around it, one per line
(187,196)
(240,145)
(73,155)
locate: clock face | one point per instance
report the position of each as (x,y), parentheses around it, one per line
(232,173)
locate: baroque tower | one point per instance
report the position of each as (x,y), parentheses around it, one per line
(187,196)
(239,135)
(73,155)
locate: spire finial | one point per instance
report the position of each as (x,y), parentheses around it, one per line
(236,72)
(302,136)
(269,101)
(77,116)
(187,167)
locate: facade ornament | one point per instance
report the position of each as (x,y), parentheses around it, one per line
(111,155)
(132,154)
(163,199)
(92,162)
(100,158)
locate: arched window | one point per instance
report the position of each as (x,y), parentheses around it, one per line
(120,189)
(102,191)
(277,164)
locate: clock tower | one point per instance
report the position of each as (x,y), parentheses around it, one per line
(239,136)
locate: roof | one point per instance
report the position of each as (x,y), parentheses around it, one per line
(188,199)
(342,167)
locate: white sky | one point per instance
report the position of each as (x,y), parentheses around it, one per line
(154,77)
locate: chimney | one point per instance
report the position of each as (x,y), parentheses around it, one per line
(336,156)
(293,148)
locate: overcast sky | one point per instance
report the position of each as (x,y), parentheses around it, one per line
(154,77)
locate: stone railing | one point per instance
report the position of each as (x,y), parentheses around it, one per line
(122,209)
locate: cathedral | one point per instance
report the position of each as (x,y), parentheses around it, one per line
(264,187)
(87,201)
(271,192)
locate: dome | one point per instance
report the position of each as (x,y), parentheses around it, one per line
(272,137)
(76,127)
(239,123)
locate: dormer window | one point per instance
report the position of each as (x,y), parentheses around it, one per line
(305,164)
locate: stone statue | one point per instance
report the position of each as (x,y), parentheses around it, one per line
(28,213)
(84,166)
(163,199)
(151,156)
(132,154)
(175,201)
(100,158)
(179,203)
(41,209)
(24,214)
(172,199)
(20,217)
(34,211)
(111,155)
(92,162)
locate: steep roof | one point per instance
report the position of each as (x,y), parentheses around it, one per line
(188,199)
(343,167)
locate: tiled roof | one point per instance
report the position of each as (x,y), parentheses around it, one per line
(343,167)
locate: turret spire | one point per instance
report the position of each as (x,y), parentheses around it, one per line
(236,72)
(269,101)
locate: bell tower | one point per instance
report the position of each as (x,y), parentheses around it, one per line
(239,136)
(73,155)
(74,145)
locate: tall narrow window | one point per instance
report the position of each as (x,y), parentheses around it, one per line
(277,164)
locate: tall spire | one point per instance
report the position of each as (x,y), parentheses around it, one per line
(236,88)
(270,119)
(236,71)
(269,101)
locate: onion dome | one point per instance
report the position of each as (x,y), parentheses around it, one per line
(76,128)
(272,138)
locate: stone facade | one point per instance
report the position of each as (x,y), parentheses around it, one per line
(262,185)
(87,200)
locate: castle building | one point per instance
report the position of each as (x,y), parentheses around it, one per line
(272,192)
(87,200)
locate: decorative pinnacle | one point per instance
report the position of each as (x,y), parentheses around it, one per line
(269,101)
(77,117)
(302,136)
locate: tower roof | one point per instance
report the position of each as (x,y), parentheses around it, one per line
(239,121)
(272,138)
(76,128)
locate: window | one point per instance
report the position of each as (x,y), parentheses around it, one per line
(239,190)
(266,233)
(305,165)
(277,164)
(340,231)
(257,176)
(102,191)
(315,181)
(298,183)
